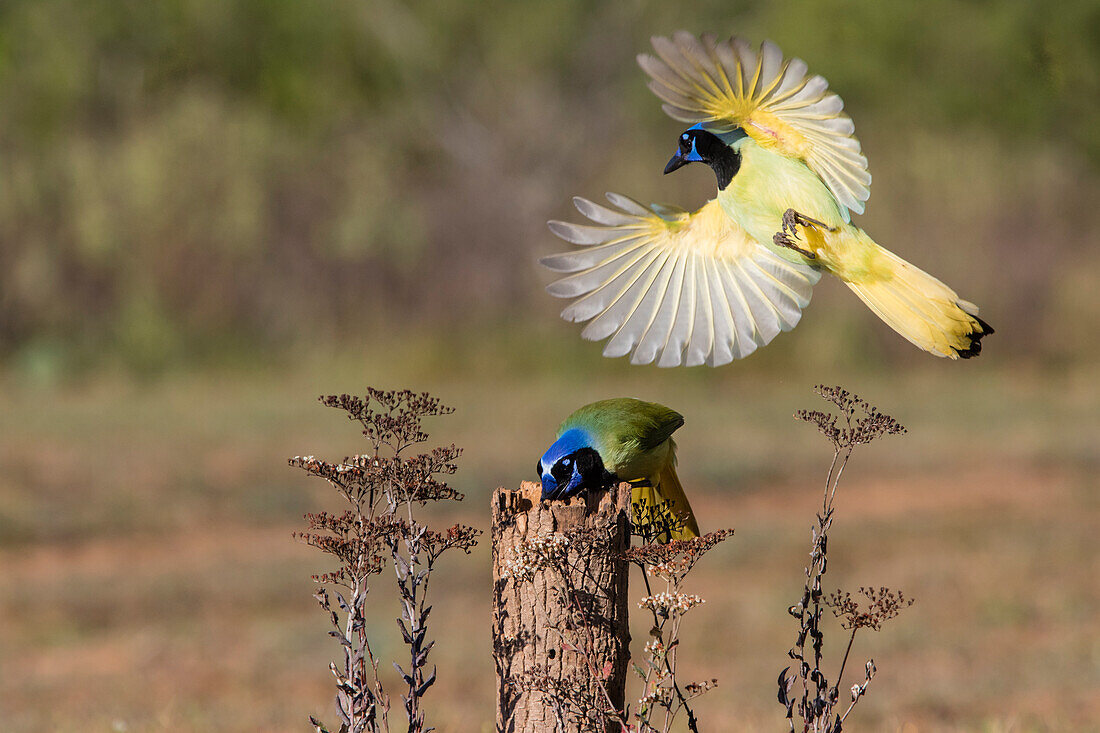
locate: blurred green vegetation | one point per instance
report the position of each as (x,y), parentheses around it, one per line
(198,179)
(262,201)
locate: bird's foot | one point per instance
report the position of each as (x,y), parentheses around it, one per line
(783,240)
(790,225)
(792,219)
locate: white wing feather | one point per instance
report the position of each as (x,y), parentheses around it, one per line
(724,84)
(675,287)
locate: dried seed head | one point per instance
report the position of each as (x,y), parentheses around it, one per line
(862,421)
(669,604)
(673,560)
(380,529)
(884,604)
(538,553)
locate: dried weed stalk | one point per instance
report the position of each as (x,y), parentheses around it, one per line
(664,696)
(380,528)
(815,707)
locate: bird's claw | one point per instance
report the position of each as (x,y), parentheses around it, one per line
(790,224)
(783,240)
(792,219)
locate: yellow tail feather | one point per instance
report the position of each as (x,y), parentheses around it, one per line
(925,311)
(670,507)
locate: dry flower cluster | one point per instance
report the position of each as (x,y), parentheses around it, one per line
(884,605)
(664,696)
(380,528)
(863,421)
(545,551)
(664,604)
(817,703)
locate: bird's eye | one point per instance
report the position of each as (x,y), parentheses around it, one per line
(562,471)
(567,462)
(685,142)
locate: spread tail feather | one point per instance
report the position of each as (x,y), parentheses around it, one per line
(671,516)
(925,311)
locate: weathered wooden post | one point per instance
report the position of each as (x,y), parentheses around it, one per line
(555,638)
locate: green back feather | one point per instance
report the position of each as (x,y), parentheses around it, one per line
(626,429)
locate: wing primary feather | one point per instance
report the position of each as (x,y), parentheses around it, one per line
(741,314)
(678,99)
(674,287)
(763,312)
(592,257)
(680,329)
(663,74)
(627,204)
(656,338)
(662,297)
(719,66)
(608,300)
(700,343)
(771,63)
(641,315)
(615,315)
(602,214)
(581,233)
(725,84)
(592,276)
(683,115)
(725,332)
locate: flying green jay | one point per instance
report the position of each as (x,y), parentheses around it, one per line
(711,286)
(622,439)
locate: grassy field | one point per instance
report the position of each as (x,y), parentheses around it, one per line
(150,581)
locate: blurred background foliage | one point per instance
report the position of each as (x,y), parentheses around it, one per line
(190,180)
(212,211)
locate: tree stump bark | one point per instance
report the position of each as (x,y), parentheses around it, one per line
(541,629)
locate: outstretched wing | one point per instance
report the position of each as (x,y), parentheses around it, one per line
(673,286)
(726,84)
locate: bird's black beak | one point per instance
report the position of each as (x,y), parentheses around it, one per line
(677,161)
